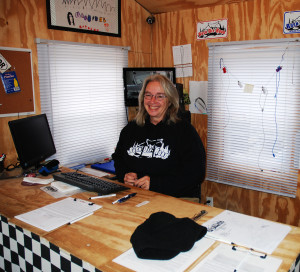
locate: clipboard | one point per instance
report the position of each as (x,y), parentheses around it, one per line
(57,214)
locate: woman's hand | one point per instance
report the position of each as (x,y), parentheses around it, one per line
(143,183)
(130,178)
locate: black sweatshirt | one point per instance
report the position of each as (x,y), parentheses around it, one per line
(172,156)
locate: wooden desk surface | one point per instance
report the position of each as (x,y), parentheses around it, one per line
(103,236)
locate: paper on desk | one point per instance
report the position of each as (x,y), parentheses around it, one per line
(64,187)
(93,172)
(244,230)
(58,214)
(38,180)
(179,263)
(224,258)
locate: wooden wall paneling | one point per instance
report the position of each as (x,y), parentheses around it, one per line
(21,21)
(248,20)
(157,6)
(9,24)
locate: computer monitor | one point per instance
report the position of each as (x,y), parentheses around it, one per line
(33,140)
(134,77)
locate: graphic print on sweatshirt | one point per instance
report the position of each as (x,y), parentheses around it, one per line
(150,149)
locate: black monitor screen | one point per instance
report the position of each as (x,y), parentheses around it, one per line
(33,140)
(134,78)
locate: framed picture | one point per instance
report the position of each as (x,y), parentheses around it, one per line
(94,17)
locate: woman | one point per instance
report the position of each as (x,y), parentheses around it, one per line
(157,151)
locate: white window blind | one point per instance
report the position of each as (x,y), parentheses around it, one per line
(253,115)
(81,88)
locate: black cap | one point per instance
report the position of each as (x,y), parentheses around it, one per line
(163,236)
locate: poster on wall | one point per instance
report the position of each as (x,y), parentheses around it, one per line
(291,23)
(101,17)
(212,29)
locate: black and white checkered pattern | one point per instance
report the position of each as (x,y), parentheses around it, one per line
(22,250)
(296,266)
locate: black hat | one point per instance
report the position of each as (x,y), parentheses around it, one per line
(163,236)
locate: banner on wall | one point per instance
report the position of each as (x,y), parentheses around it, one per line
(291,22)
(212,29)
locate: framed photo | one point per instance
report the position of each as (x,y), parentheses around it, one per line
(94,17)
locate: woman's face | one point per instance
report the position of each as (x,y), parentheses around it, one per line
(156,104)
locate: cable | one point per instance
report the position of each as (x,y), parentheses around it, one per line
(276,99)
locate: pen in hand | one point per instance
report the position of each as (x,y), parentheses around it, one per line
(123,199)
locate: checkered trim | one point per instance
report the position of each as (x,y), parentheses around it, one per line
(296,266)
(22,250)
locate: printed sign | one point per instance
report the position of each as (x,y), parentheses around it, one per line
(10,82)
(4,64)
(212,29)
(291,22)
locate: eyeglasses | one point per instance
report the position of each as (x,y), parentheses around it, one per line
(158,97)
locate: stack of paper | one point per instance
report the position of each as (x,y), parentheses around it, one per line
(248,231)
(59,213)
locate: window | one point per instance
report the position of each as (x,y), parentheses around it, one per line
(253,115)
(81,88)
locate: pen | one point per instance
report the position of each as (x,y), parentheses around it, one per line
(198,215)
(123,199)
(77,219)
(102,196)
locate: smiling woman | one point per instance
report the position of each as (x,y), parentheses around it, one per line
(158,151)
(155,102)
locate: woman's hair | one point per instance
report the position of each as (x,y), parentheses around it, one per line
(172,96)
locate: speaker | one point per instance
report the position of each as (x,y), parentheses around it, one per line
(179,88)
(182,113)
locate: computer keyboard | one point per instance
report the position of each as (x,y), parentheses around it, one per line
(88,183)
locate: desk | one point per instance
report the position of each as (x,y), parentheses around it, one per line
(99,238)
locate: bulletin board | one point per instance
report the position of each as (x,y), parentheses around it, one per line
(21,102)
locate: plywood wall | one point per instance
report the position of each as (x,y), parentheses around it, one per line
(249,20)
(21,21)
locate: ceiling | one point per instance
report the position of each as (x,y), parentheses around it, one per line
(162,6)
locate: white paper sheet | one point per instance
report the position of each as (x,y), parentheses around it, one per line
(59,213)
(251,232)
(179,263)
(94,172)
(198,97)
(182,54)
(185,70)
(224,258)
(182,58)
